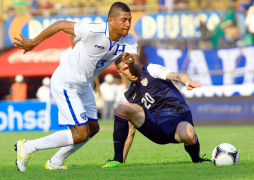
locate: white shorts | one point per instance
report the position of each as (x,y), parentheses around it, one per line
(75,105)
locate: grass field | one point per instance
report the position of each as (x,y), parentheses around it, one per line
(146,160)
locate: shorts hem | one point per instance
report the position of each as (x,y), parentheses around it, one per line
(91,119)
(66,125)
(71,125)
(80,124)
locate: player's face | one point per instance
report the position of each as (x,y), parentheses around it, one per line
(124,71)
(122,23)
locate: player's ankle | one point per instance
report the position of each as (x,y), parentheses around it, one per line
(195,158)
(119,159)
(56,162)
(29,148)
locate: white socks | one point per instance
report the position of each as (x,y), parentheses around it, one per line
(58,139)
(64,152)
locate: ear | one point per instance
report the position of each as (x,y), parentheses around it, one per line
(119,72)
(110,20)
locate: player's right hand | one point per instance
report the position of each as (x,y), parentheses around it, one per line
(128,59)
(24,43)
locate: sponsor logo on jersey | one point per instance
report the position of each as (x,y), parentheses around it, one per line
(144,82)
(83,116)
(97,46)
(71,86)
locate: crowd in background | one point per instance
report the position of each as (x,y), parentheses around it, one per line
(19,90)
(238,31)
(80,7)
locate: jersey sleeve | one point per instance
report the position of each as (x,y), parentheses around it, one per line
(158,71)
(82,30)
(132,45)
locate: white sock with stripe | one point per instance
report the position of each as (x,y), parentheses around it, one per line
(64,152)
(58,139)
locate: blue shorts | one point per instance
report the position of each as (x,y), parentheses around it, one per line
(162,131)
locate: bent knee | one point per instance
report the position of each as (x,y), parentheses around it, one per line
(189,137)
(81,138)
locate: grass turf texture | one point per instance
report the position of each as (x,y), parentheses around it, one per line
(146,160)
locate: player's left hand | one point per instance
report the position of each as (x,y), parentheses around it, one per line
(193,84)
(128,59)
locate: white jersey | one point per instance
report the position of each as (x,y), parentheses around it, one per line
(92,54)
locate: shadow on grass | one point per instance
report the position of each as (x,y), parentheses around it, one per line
(160,163)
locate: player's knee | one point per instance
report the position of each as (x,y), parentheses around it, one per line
(189,137)
(186,132)
(82,137)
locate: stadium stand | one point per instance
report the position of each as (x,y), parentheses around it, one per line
(68,7)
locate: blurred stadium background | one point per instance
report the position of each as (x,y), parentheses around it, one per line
(210,40)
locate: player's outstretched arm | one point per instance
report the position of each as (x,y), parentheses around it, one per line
(128,141)
(28,44)
(184,79)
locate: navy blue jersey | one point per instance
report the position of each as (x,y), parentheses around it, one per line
(160,97)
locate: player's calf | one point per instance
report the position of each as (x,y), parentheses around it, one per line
(121,129)
(185,133)
(94,128)
(80,133)
(193,150)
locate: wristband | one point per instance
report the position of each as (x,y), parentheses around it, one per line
(187,83)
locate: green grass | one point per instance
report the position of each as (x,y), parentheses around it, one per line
(146,160)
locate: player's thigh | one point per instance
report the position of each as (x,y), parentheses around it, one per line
(133,112)
(71,109)
(88,101)
(185,132)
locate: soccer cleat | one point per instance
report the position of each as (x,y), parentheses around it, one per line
(50,166)
(22,155)
(204,159)
(113,163)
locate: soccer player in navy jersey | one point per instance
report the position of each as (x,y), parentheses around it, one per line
(157,109)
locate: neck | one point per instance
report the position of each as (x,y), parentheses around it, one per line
(113,36)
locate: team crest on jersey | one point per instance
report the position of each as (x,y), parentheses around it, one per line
(83,116)
(144,82)
(71,86)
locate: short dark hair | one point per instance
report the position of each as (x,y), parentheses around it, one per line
(118,61)
(116,7)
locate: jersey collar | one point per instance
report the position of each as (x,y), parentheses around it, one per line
(106,30)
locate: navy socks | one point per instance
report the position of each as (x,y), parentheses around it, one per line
(121,130)
(193,150)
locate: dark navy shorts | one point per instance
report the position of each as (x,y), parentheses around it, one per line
(162,131)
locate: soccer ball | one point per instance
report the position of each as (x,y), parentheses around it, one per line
(225,154)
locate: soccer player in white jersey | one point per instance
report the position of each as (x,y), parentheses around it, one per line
(99,45)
